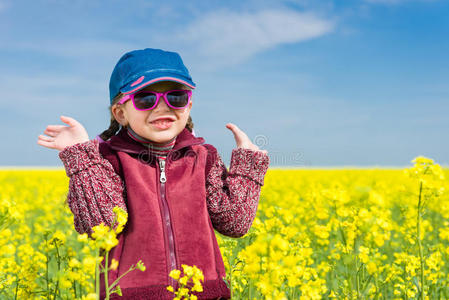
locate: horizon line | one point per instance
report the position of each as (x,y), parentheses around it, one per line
(270,167)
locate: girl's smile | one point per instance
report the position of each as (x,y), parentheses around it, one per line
(160,124)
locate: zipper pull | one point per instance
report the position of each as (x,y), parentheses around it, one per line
(162,166)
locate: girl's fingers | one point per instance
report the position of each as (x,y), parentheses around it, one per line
(231,126)
(240,137)
(51,133)
(47,144)
(46,138)
(69,121)
(237,130)
(55,127)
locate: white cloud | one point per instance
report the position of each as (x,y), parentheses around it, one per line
(72,48)
(212,39)
(224,38)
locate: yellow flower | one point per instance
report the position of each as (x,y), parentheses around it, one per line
(59,237)
(279,243)
(321,231)
(83,237)
(105,238)
(89,263)
(122,218)
(141,266)
(90,296)
(364,252)
(183,292)
(188,270)
(371,268)
(74,263)
(197,287)
(8,250)
(114,264)
(175,274)
(100,231)
(183,280)
(110,241)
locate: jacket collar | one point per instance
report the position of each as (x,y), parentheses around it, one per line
(123,142)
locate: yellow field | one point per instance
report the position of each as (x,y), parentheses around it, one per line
(318,234)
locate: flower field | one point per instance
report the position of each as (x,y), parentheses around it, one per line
(318,234)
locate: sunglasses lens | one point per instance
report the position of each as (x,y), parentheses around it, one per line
(144,100)
(178,98)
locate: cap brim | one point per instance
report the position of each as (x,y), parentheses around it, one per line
(136,85)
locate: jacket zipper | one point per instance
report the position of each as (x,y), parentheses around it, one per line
(167,221)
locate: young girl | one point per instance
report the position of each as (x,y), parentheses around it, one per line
(175,188)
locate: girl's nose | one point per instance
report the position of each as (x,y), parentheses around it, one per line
(162,104)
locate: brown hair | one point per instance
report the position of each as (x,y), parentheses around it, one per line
(115,126)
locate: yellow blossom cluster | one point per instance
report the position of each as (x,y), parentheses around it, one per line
(318,234)
(40,254)
(191,275)
(344,234)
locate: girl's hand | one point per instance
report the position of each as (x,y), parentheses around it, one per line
(241,139)
(60,136)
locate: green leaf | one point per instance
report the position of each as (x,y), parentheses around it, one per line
(117,290)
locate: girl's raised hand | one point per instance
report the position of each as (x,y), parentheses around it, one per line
(60,136)
(241,139)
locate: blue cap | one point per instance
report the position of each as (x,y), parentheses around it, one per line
(139,68)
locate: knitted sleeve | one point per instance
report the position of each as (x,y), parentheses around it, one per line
(94,187)
(233,197)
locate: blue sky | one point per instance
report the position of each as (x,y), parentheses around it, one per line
(316,83)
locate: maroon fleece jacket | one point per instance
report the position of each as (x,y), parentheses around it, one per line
(170,222)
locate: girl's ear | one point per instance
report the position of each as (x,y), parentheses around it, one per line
(119,114)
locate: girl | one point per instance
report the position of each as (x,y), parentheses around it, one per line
(175,188)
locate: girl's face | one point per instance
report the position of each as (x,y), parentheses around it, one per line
(142,121)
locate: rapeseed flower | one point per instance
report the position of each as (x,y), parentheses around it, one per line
(316,233)
(190,275)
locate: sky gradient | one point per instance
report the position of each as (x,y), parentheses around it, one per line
(334,83)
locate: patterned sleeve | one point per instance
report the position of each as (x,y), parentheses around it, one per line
(94,187)
(233,197)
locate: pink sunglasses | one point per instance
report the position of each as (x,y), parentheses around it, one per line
(146,100)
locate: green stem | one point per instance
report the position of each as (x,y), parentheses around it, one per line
(357,277)
(59,269)
(405,281)
(17,288)
(230,277)
(377,288)
(97,275)
(74,288)
(342,234)
(250,290)
(419,243)
(366,284)
(117,280)
(46,272)
(106,286)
